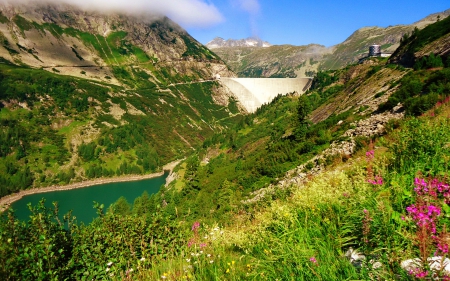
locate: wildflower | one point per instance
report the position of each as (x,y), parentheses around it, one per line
(313,260)
(188,260)
(211,261)
(227,271)
(107,269)
(202,245)
(370,154)
(109,263)
(442,248)
(378,180)
(142,259)
(195,226)
(232,262)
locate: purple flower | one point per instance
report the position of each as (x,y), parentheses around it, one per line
(313,260)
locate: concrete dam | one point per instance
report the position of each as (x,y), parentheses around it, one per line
(254,92)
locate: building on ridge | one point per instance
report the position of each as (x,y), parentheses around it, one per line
(374,51)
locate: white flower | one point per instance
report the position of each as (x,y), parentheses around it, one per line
(201,252)
(109,263)
(208,255)
(211,261)
(164,277)
(192,254)
(107,269)
(216,229)
(142,259)
(188,260)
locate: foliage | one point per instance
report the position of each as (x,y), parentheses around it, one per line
(420,91)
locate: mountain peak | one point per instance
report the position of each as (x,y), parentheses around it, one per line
(219,42)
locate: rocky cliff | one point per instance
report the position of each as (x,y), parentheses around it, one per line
(73,41)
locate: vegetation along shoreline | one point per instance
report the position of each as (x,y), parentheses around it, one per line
(7,200)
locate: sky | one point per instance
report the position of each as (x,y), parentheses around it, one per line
(301,22)
(295,22)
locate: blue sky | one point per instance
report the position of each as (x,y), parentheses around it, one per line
(296,22)
(300,22)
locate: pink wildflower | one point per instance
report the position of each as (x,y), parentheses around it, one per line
(313,260)
(370,154)
(195,226)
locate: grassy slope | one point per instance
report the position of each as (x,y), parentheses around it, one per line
(66,114)
(298,233)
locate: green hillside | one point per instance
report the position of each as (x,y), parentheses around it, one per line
(346,182)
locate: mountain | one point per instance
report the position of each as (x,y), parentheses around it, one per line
(349,181)
(273,61)
(433,39)
(306,60)
(70,40)
(219,42)
(85,95)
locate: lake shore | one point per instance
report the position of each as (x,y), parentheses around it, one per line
(7,200)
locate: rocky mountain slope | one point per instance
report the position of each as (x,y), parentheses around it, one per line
(70,40)
(274,61)
(293,61)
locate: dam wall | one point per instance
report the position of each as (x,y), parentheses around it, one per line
(254,92)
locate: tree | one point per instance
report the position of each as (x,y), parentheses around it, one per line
(120,207)
(303,110)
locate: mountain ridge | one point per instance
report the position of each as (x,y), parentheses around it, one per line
(219,42)
(250,62)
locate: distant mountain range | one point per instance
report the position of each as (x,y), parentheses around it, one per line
(249,60)
(219,42)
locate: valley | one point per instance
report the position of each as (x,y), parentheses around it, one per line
(340,176)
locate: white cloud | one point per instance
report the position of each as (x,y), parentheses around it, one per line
(250,6)
(188,13)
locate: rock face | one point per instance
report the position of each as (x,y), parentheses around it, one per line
(275,61)
(89,44)
(219,42)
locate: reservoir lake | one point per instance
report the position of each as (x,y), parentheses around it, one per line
(80,200)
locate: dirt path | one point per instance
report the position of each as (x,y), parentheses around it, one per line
(6,201)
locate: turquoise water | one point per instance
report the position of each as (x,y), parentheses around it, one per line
(80,200)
